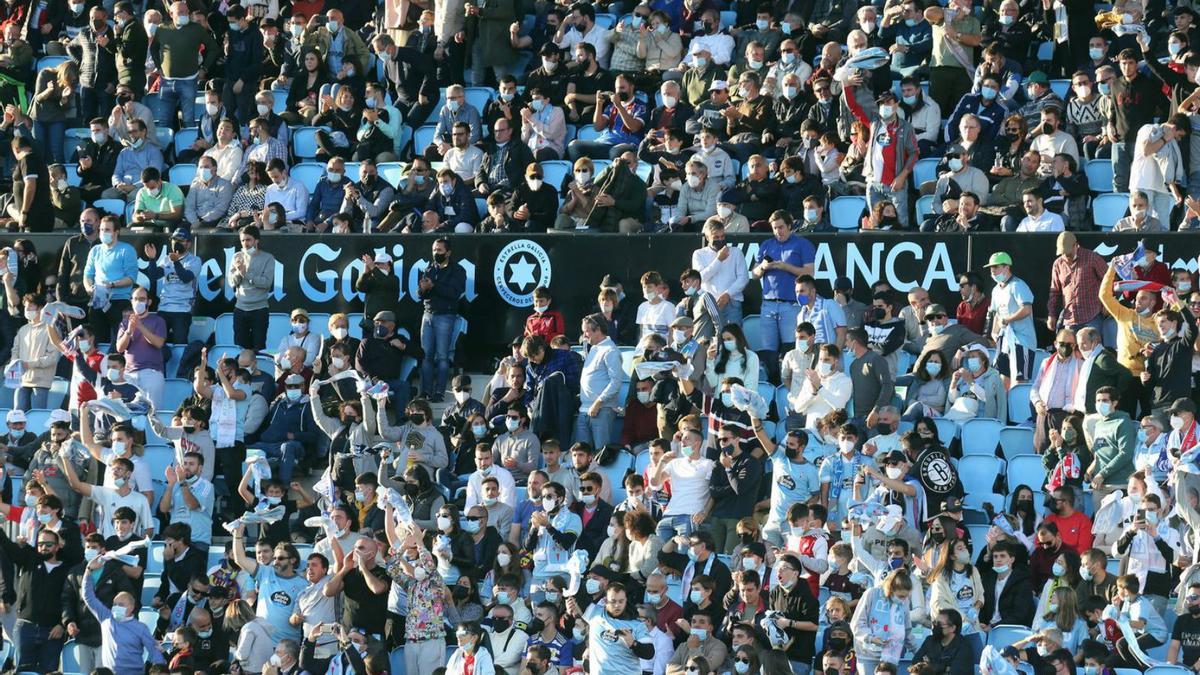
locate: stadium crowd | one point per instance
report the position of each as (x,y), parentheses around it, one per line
(686,482)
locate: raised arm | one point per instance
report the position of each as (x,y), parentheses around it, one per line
(243,561)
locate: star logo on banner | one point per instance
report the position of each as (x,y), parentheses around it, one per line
(521,273)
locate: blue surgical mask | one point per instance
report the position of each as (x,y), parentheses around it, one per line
(1104,407)
(1095,53)
(729,345)
(1000,569)
(90,554)
(933,368)
(762,24)
(653,598)
(1174,48)
(974,364)
(44,518)
(469,526)
(592,586)
(810,214)
(502,598)
(700,633)
(119,613)
(989,93)
(911,22)
(479,430)
(727,399)
(695,597)
(1058,570)
(909,100)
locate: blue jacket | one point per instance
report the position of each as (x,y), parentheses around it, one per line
(326,200)
(131,162)
(462,203)
(991,116)
(294,418)
(918,39)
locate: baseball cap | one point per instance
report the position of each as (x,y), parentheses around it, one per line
(999,258)
(383,258)
(182,233)
(718,84)
(1180,405)
(15,417)
(1037,77)
(299,311)
(385,315)
(682,322)
(294,378)
(935,310)
(610,281)
(58,416)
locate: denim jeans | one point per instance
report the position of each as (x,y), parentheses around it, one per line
(878,192)
(50,136)
(148,380)
(94,101)
(32,398)
(34,649)
(1122,159)
(437,340)
(175,94)
(670,526)
(595,430)
(778,324)
(732,312)
(289,453)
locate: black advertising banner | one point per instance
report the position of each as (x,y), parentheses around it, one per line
(319,271)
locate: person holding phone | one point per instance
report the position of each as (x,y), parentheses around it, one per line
(176,273)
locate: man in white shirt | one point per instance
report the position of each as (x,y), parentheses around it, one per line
(689,472)
(289,192)
(110,499)
(463,158)
(580,26)
(1052,140)
(723,272)
(710,39)
(485,467)
(1038,219)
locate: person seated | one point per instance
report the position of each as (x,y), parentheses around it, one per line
(287,192)
(621,198)
(621,120)
(709,110)
(964,216)
(453,201)
(586,79)
(543,126)
(208,197)
(462,156)
(533,204)
(417,186)
(1139,218)
(673,113)
(66,199)
(326,201)
(1009,194)
(544,321)
(789,64)
(1050,140)
(814,217)
(1038,97)
(922,113)
(498,218)
(663,47)
(904,25)
(158,204)
(139,154)
(664,151)
(697,198)
(1068,193)
(986,105)
(456,111)
(506,106)
(97,159)
(961,176)
(379,127)
(1037,218)
(752,58)
(978,153)
(504,162)
(367,201)
(341,113)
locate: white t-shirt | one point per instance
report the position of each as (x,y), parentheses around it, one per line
(142,480)
(689,485)
(109,500)
(655,318)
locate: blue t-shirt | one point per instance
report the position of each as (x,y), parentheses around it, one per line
(525,509)
(278,599)
(607,653)
(791,483)
(780,284)
(1008,300)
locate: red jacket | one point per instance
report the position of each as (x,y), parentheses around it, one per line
(1076,530)
(549,324)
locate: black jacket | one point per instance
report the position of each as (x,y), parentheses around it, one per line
(596,530)
(39,591)
(542,206)
(112,581)
(1016,603)
(516,159)
(179,574)
(952,659)
(129,46)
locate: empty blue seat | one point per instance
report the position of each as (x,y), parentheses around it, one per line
(980,435)
(1019,410)
(1016,441)
(1027,470)
(978,473)
(309,174)
(392,172)
(182,174)
(184,138)
(924,208)
(556,171)
(423,138)
(752,328)
(845,212)
(1109,208)
(1099,173)
(304,142)
(925,170)
(1061,88)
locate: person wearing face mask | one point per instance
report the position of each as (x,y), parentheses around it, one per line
(543,126)
(887,173)
(1168,359)
(1054,388)
(290,429)
(533,202)
(208,126)
(244,51)
(175,48)
(1182,648)
(1114,437)
(722,270)
(108,581)
(128,44)
(252,276)
(464,408)
(1010,317)
(122,639)
(817,390)
(32,348)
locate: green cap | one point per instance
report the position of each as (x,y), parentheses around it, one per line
(1000,258)
(1037,77)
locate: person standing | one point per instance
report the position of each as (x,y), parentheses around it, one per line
(140,338)
(108,276)
(892,152)
(128,45)
(599,385)
(1011,320)
(441,288)
(779,262)
(174,50)
(1136,99)
(38,634)
(1074,286)
(252,277)
(722,271)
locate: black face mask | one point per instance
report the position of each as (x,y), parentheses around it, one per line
(883,429)
(936,632)
(417,418)
(937,537)
(747,537)
(501,625)
(460,593)
(412,490)
(877,313)
(1194,610)
(439,258)
(837,645)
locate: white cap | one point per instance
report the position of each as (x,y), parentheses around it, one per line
(58,415)
(893,515)
(15,417)
(383,257)
(463,228)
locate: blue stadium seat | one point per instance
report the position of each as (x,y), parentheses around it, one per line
(924,208)
(224,329)
(1109,208)
(279,326)
(781,402)
(600,165)
(1027,470)
(947,430)
(925,170)
(556,171)
(627,363)
(353,171)
(181,174)
(184,138)
(979,436)
(728,18)
(479,97)
(304,142)
(1019,410)
(1016,441)
(72,174)
(154,564)
(1045,51)
(51,62)
(1099,173)
(1167,670)
(149,617)
(977,472)
(615,475)
(588,133)
(157,459)
(1004,635)
(392,172)
(175,390)
(115,207)
(280,104)
(1061,88)
(309,174)
(164,137)
(481,206)
(606,21)
(423,138)
(845,212)
(752,327)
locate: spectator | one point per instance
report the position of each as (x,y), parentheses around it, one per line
(252,277)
